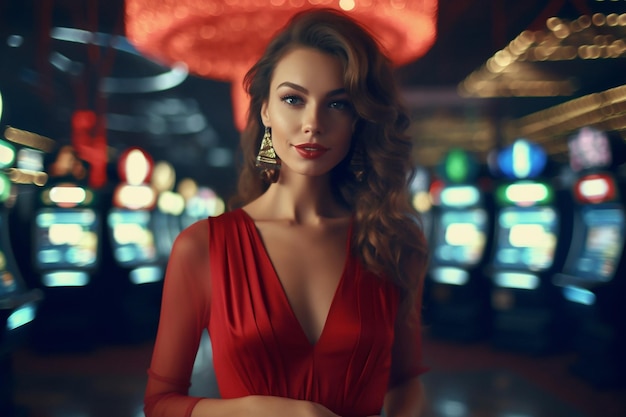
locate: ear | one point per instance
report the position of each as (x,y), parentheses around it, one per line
(264,114)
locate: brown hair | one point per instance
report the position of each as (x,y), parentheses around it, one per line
(387,234)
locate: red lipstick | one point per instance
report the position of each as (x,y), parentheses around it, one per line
(311,150)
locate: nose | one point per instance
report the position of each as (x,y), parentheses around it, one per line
(312,120)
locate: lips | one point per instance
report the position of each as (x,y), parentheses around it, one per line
(311,150)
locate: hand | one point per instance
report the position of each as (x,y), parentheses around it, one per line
(320,411)
(273,406)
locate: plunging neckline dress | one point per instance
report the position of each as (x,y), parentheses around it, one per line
(260,347)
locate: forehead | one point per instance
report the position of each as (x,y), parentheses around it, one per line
(309,68)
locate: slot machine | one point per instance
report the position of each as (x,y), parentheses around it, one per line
(593,278)
(18,302)
(66,255)
(531,238)
(456,290)
(138,270)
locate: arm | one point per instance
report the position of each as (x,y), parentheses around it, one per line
(184,313)
(405,397)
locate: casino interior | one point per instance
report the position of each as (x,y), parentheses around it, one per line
(120,125)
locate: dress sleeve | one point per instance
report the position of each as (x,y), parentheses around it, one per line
(184,314)
(406,359)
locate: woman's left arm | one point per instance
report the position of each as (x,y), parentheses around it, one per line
(406,397)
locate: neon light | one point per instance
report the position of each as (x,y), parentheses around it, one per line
(421,201)
(205,203)
(135,197)
(450,276)
(127,233)
(579,295)
(65,279)
(171,202)
(23,315)
(526,194)
(517,280)
(595,188)
(7,154)
(435,191)
(67,195)
(463,234)
(137,167)
(5,187)
(521,159)
(460,196)
(530,236)
(81,216)
(589,148)
(146,275)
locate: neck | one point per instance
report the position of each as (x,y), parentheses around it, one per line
(303,199)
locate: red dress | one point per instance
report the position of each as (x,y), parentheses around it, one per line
(260,348)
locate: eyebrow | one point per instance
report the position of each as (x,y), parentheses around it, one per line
(305,91)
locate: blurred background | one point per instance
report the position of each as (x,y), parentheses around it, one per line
(120,126)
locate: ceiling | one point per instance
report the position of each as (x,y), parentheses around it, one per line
(191,125)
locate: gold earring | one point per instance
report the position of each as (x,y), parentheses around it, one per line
(266,160)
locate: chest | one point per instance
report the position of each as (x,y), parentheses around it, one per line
(309,264)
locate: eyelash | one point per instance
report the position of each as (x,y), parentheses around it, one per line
(338,104)
(287,98)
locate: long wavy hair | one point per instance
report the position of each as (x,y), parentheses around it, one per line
(387,233)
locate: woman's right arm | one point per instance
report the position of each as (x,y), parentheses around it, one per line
(184,314)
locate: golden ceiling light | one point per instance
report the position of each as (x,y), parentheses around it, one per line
(221,39)
(605,110)
(588,38)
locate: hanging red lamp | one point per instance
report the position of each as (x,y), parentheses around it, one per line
(221,39)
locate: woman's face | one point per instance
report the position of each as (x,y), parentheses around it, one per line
(309,112)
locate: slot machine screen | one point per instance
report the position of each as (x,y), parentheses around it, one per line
(589,148)
(132,237)
(462,236)
(66,238)
(527,238)
(603,244)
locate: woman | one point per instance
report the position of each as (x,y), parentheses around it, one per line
(310,287)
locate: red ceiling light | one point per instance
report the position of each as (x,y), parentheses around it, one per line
(221,39)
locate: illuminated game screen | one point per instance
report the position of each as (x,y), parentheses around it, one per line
(527,238)
(132,237)
(603,244)
(66,238)
(462,236)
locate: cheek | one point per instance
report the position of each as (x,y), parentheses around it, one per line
(345,138)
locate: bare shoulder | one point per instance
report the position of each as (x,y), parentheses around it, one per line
(193,241)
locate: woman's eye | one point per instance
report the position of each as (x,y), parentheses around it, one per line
(292,100)
(340,105)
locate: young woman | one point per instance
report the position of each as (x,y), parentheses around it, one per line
(310,287)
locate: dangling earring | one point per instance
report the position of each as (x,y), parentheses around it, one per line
(267,160)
